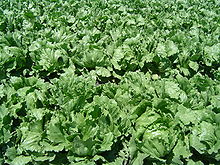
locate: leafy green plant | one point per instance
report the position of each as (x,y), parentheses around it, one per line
(109,82)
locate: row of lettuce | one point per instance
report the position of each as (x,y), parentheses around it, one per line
(140,119)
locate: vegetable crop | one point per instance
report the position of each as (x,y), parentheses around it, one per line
(109,82)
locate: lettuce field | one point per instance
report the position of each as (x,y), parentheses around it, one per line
(110,82)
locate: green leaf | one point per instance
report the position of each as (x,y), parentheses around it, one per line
(11,153)
(203,137)
(171,48)
(191,162)
(166,49)
(30,142)
(186,116)
(172,89)
(212,54)
(182,149)
(107,142)
(139,159)
(194,65)
(1,90)
(103,72)
(21,160)
(54,133)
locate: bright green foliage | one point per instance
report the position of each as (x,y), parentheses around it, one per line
(112,82)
